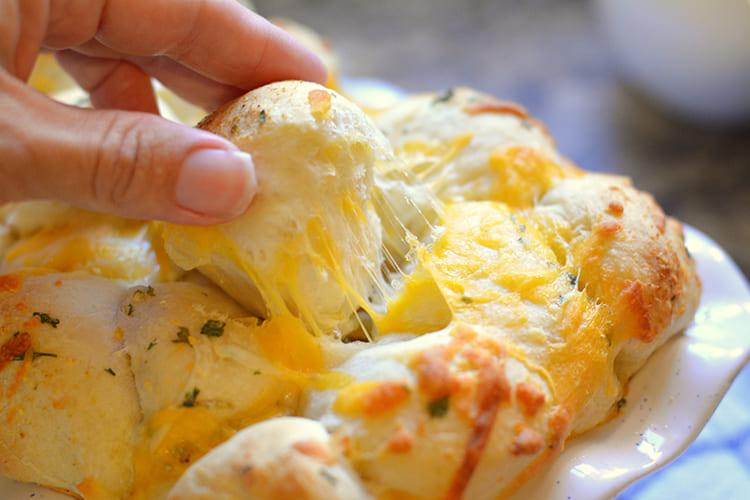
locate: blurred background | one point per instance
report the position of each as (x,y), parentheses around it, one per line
(656,90)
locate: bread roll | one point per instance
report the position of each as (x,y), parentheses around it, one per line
(310,243)
(455,146)
(628,257)
(458,403)
(201,374)
(467,145)
(68,404)
(280,458)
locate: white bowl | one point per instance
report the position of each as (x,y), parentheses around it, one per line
(691,56)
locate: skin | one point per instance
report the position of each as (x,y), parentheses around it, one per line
(122,158)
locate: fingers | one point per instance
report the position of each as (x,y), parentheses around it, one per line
(191,86)
(219,39)
(130,164)
(22,26)
(111,83)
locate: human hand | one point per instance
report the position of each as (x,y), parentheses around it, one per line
(123,158)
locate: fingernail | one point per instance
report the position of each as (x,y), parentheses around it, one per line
(216,182)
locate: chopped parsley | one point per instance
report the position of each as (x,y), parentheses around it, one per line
(190,398)
(152,344)
(262,117)
(149,290)
(46,318)
(621,403)
(183,336)
(34,355)
(37,354)
(139,296)
(466,299)
(438,408)
(213,328)
(110,371)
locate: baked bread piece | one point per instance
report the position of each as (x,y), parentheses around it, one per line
(517,301)
(534,291)
(555,246)
(67,400)
(631,259)
(460,403)
(310,243)
(468,145)
(285,457)
(451,414)
(455,146)
(111,392)
(201,371)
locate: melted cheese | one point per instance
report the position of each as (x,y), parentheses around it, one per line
(130,251)
(425,159)
(292,281)
(495,268)
(174,439)
(418,307)
(285,341)
(522,175)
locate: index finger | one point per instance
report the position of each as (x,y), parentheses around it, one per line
(220,39)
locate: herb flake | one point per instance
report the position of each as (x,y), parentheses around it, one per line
(149,290)
(438,408)
(46,318)
(190,398)
(213,328)
(183,336)
(37,354)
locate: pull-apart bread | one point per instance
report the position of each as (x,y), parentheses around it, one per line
(423,302)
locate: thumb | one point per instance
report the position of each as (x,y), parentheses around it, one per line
(130,164)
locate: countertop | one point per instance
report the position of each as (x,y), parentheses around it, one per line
(550,56)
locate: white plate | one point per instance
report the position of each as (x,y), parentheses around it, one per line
(669,400)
